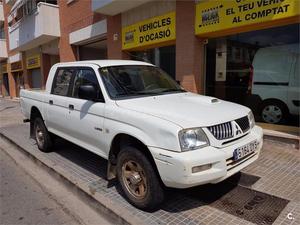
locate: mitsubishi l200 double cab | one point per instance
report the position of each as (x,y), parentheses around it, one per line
(152,132)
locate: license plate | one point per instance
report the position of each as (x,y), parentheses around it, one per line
(245,150)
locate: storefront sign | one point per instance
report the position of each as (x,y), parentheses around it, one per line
(33,62)
(16,66)
(216,16)
(148,32)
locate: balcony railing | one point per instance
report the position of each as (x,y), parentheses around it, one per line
(36,28)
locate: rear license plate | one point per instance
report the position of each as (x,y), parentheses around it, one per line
(245,150)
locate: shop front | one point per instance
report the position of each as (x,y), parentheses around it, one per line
(16,69)
(33,66)
(252,57)
(152,40)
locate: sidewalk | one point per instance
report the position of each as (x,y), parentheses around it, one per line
(274,177)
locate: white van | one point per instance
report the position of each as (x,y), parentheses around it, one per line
(275,80)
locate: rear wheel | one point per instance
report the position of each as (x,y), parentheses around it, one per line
(138,179)
(42,136)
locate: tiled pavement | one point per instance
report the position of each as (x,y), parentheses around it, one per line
(278,168)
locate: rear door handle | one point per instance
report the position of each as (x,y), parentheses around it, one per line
(51,102)
(71,107)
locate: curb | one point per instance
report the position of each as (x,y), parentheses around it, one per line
(10,99)
(103,204)
(281,137)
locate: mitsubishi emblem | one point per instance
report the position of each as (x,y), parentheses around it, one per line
(238,130)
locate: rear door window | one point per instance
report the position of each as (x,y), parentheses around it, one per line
(62,81)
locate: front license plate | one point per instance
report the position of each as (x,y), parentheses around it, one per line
(245,150)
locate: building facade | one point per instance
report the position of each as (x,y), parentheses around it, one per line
(242,51)
(32,34)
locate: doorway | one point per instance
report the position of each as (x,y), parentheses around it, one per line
(5,84)
(93,51)
(163,57)
(36,78)
(19,81)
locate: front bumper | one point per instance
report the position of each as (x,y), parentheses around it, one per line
(175,168)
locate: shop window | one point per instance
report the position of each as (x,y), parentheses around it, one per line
(259,69)
(163,57)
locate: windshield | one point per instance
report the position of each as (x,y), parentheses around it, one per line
(134,81)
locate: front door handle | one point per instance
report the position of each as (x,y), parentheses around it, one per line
(71,107)
(51,102)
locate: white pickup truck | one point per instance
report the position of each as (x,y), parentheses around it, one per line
(153,133)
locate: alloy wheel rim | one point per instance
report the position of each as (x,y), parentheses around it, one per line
(134,179)
(272,114)
(39,134)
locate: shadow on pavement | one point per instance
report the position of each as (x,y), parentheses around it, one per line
(176,199)
(81,157)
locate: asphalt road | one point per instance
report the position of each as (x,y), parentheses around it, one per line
(22,201)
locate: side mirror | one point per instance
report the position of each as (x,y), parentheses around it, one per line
(88,92)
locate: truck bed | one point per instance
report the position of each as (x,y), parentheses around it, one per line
(30,98)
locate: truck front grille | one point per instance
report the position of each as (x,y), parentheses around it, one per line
(243,123)
(225,130)
(222,131)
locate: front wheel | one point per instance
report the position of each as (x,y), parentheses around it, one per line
(42,136)
(138,179)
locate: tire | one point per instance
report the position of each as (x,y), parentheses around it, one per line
(149,193)
(42,136)
(274,112)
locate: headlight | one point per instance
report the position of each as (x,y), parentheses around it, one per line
(251,119)
(191,139)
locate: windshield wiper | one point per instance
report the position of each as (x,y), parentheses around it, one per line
(173,89)
(145,93)
(133,94)
(148,92)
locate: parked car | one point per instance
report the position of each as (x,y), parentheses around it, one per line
(153,133)
(275,80)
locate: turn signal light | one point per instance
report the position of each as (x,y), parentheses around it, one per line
(197,169)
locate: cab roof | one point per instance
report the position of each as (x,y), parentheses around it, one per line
(105,63)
